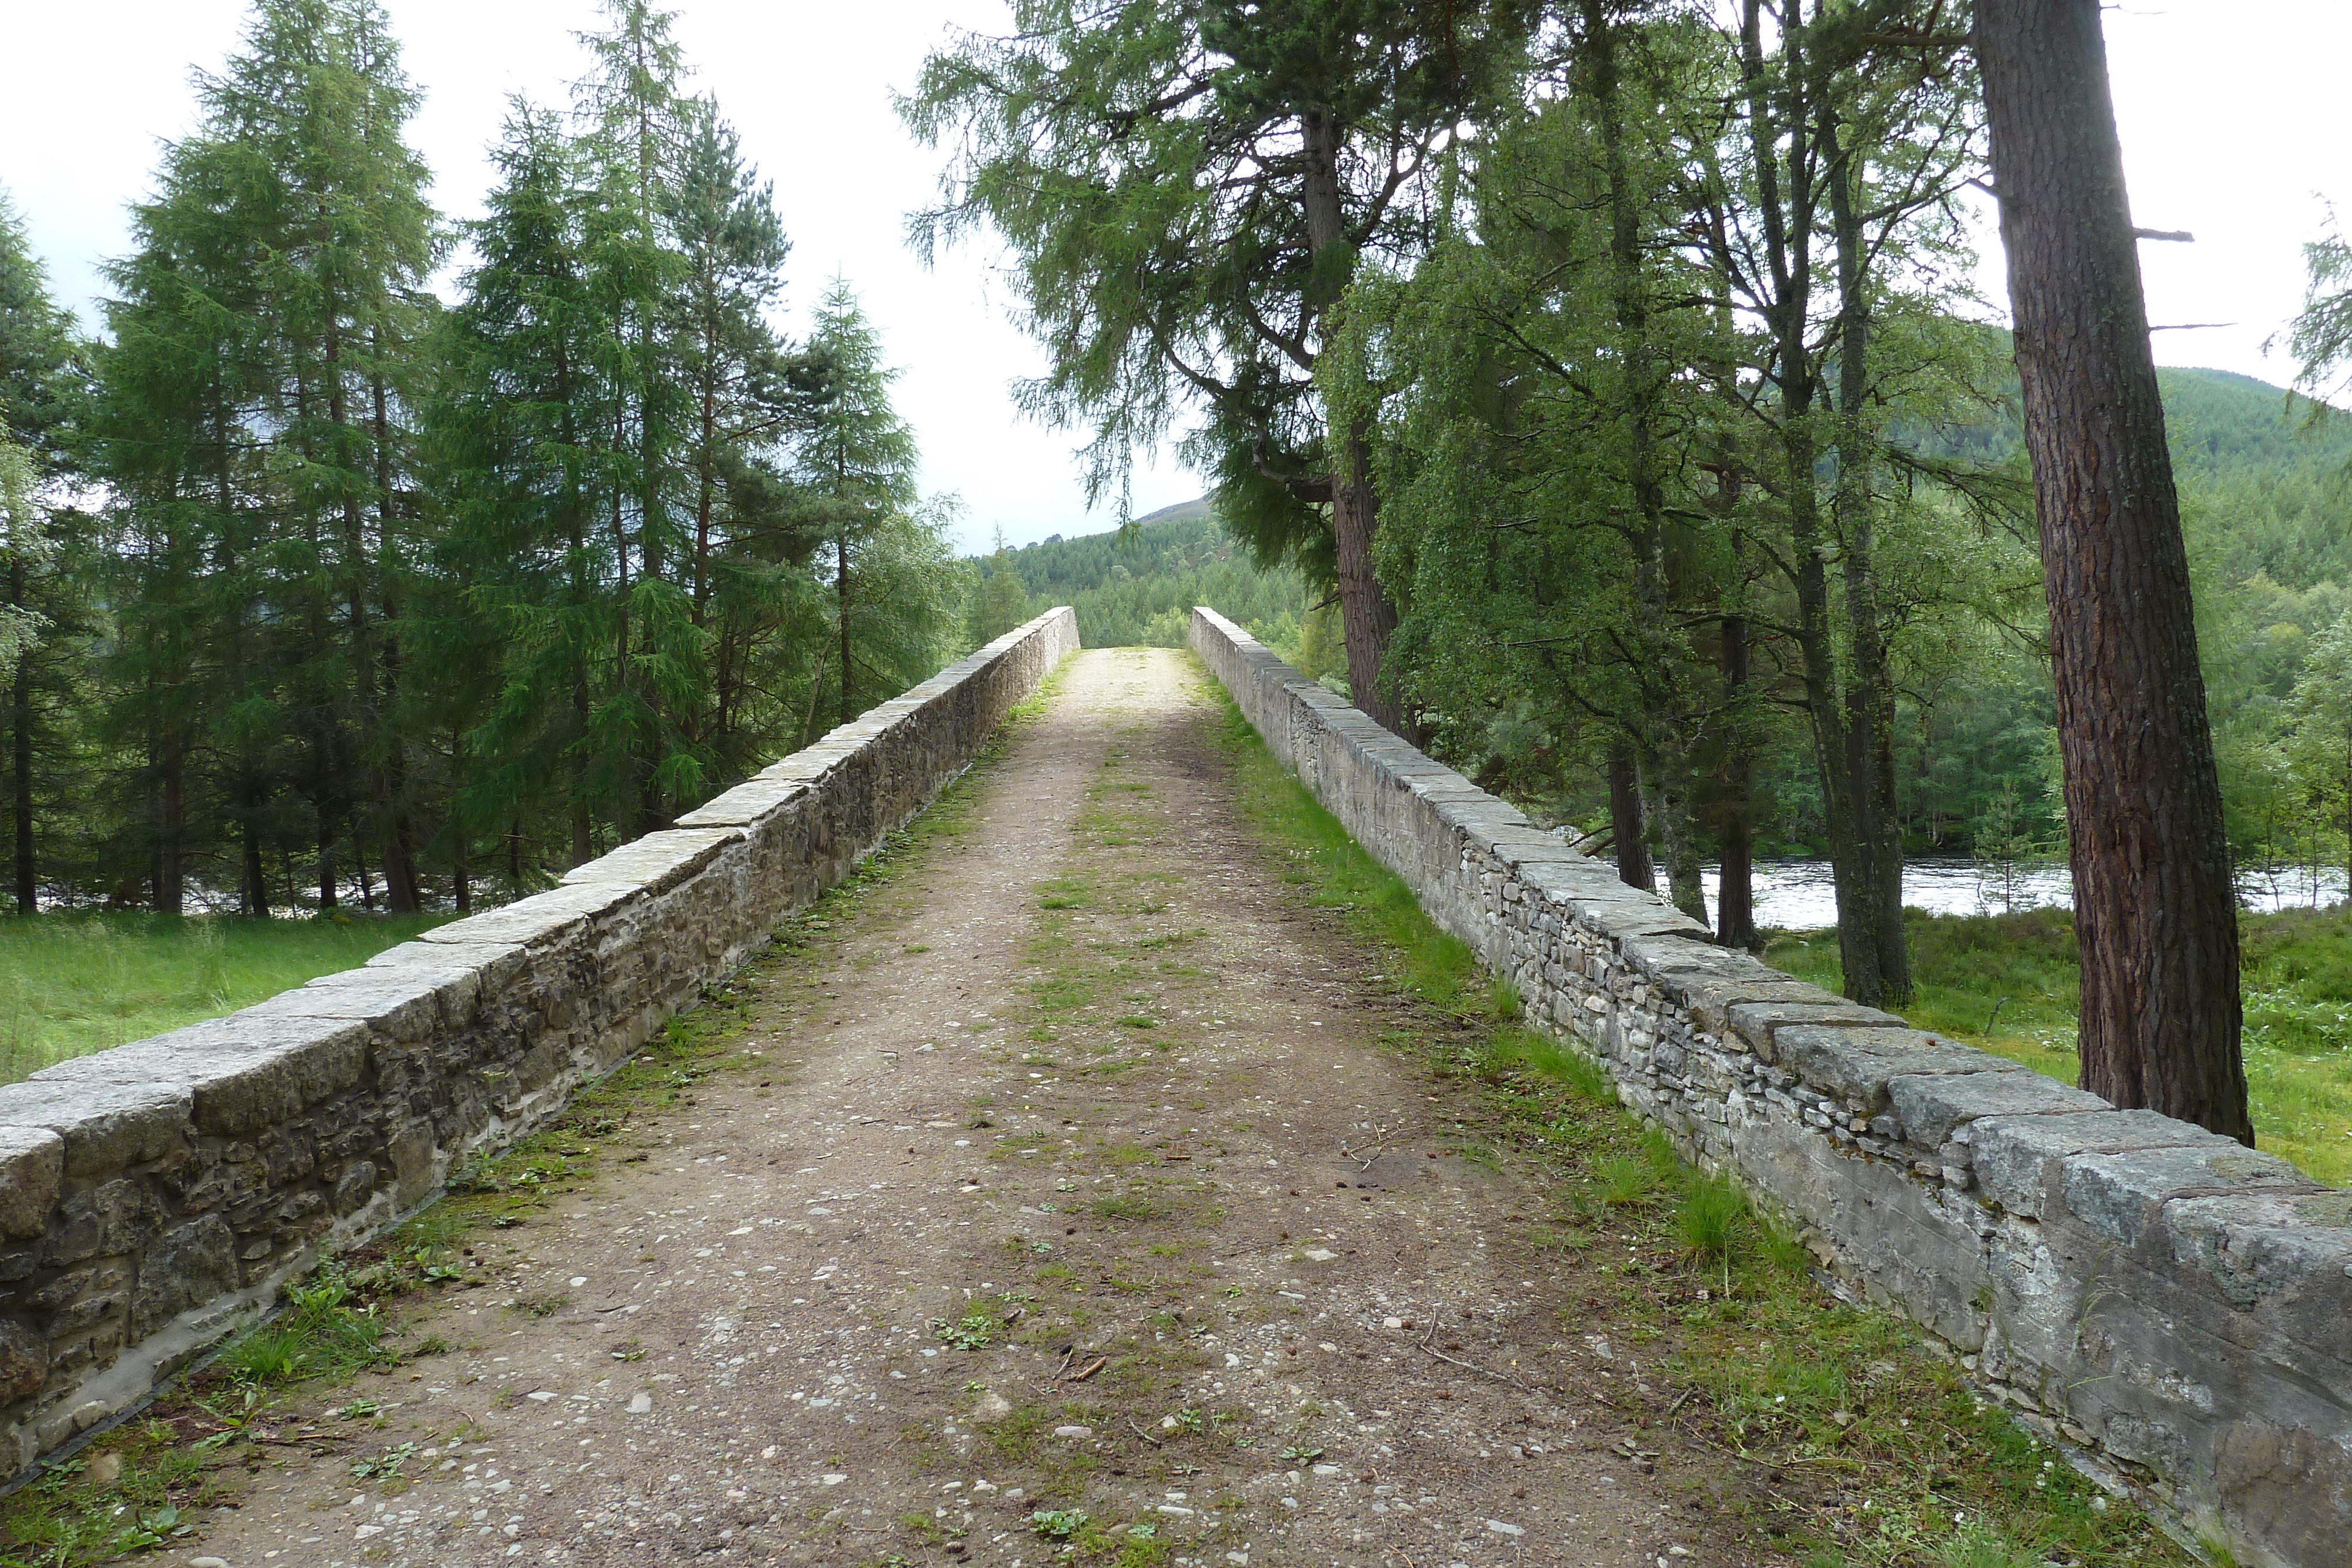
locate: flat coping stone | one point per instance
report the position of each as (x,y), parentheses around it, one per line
(1564,880)
(1759,1020)
(1710,996)
(1634,916)
(105,1126)
(32,1170)
(658,862)
(745,805)
(404,1002)
(1854,1064)
(1931,1106)
(1685,953)
(2121,1195)
(244,1073)
(529,922)
(2017,1158)
(2295,1246)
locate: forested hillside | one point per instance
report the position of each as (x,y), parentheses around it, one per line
(1137,586)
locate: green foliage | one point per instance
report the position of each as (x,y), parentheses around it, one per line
(1186,192)
(256,435)
(974,1330)
(1137,586)
(895,588)
(1058,1523)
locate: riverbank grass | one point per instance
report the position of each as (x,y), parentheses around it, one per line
(2011,984)
(74,983)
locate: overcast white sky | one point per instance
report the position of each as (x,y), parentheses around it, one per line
(2231,113)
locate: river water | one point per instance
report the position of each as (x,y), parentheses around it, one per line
(1798,894)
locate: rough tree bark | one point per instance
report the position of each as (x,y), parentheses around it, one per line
(1634,867)
(2155,909)
(1367,618)
(1870,687)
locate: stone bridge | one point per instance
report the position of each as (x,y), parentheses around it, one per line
(1070,1158)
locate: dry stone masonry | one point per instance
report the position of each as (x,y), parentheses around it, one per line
(154,1197)
(2174,1309)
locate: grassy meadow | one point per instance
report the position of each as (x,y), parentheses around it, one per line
(2009,983)
(75,983)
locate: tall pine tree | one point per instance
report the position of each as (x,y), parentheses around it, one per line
(257,438)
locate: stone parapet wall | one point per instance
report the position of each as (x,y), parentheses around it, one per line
(154,1197)
(2173,1309)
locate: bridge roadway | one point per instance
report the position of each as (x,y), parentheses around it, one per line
(748,1350)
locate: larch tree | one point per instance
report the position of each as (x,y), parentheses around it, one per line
(857,478)
(42,389)
(267,350)
(1188,191)
(2155,903)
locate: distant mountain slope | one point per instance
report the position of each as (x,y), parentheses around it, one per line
(2220,420)
(1138,585)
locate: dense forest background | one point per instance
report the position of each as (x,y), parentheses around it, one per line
(357,557)
(2268,507)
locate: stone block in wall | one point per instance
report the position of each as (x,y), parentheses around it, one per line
(746,804)
(658,862)
(2019,1161)
(2277,1251)
(1709,997)
(2121,1195)
(2288,1488)
(184,1266)
(411,1002)
(527,922)
(1617,919)
(32,1166)
(1854,1064)
(105,1126)
(1932,1106)
(241,1073)
(1760,1022)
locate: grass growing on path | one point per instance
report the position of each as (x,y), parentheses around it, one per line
(1859,1448)
(2011,984)
(74,983)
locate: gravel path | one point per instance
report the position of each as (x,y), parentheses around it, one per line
(1073,1178)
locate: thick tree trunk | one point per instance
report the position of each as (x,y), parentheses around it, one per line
(1678,834)
(1782,142)
(2155,909)
(1634,867)
(1870,690)
(1367,617)
(360,869)
(328,834)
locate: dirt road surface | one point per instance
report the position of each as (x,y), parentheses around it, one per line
(1072,1177)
